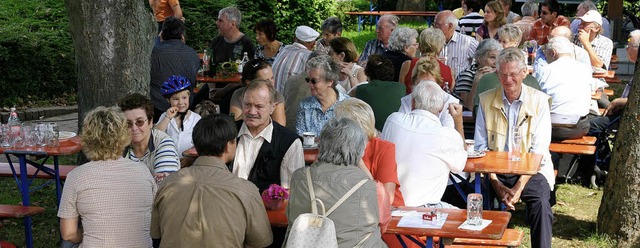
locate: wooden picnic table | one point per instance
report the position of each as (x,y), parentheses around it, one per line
(377,14)
(607,74)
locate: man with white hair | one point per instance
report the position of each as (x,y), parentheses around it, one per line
(501,111)
(589,37)
(459,49)
(386,24)
(424,167)
(583,8)
(291,60)
(570,92)
(578,53)
(529,12)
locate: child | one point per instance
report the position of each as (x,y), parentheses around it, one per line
(178,121)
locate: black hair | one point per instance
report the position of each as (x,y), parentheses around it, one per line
(172,28)
(251,68)
(212,134)
(268,27)
(379,68)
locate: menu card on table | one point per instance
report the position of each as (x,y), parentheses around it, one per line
(413,219)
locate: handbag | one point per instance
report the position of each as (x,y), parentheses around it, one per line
(317,230)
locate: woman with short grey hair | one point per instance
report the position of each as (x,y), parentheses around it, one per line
(510,36)
(403,45)
(431,43)
(314,111)
(486,54)
(335,173)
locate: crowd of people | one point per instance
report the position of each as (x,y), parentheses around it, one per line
(391,115)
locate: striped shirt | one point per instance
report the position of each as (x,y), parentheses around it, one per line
(603,47)
(161,156)
(464,81)
(374,46)
(290,61)
(541,30)
(470,23)
(310,116)
(459,52)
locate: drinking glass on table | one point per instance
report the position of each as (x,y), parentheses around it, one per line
(28,132)
(5,139)
(515,151)
(42,134)
(17,139)
(54,133)
(474,209)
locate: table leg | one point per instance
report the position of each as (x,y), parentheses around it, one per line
(56,168)
(359,22)
(429,243)
(478,183)
(24,190)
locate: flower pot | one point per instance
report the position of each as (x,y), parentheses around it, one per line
(273,204)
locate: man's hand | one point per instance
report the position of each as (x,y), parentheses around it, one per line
(583,37)
(616,106)
(455,110)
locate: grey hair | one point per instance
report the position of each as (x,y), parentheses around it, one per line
(332,24)
(560,44)
(342,142)
(511,32)
(391,19)
(588,4)
(511,54)
(452,19)
(486,46)
(431,41)
(330,69)
(401,37)
(429,96)
(232,13)
(636,34)
(529,8)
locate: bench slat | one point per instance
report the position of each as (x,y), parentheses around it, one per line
(584,140)
(511,238)
(17,211)
(572,149)
(5,170)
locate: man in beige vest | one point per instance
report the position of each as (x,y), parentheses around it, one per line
(503,110)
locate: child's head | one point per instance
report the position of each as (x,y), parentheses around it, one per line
(176,90)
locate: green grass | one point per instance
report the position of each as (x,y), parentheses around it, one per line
(368,33)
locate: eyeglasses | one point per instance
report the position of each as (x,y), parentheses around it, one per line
(544,13)
(311,80)
(635,46)
(138,123)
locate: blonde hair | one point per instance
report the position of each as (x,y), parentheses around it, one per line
(426,65)
(431,41)
(105,133)
(360,112)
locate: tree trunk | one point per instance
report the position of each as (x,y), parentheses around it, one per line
(619,213)
(113,41)
(411,5)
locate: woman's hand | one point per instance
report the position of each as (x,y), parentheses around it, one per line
(346,67)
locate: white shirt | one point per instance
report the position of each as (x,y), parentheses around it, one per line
(568,83)
(459,52)
(182,139)
(426,152)
(445,117)
(249,146)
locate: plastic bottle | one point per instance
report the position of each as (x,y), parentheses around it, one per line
(244,61)
(15,128)
(205,62)
(13,118)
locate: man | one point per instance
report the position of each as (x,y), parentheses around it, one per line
(577,53)
(331,28)
(165,8)
(291,60)
(459,49)
(570,92)
(549,19)
(471,20)
(267,152)
(589,37)
(194,205)
(149,146)
(583,8)
(171,57)
(295,90)
(424,167)
(501,111)
(386,24)
(529,15)
(230,44)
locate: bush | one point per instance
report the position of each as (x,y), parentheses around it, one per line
(36,51)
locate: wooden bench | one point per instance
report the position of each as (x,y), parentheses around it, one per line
(17,211)
(608,92)
(576,147)
(614,80)
(585,140)
(5,171)
(613,66)
(510,238)
(5,244)
(472,246)
(572,149)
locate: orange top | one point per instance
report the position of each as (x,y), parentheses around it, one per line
(380,159)
(164,10)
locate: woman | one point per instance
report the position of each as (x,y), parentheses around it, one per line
(343,51)
(178,121)
(257,69)
(485,57)
(331,28)
(268,46)
(335,173)
(431,43)
(111,195)
(402,47)
(510,16)
(380,71)
(317,109)
(493,20)
(510,36)
(149,146)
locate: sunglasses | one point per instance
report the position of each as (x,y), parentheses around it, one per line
(138,123)
(311,80)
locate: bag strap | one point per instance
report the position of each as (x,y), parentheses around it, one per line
(312,194)
(359,244)
(346,195)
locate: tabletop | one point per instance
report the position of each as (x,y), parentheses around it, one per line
(398,13)
(67,147)
(208,79)
(499,162)
(456,217)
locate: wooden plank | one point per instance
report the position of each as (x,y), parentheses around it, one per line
(614,80)
(511,238)
(584,140)
(17,211)
(5,170)
(499,162)
(608,92)
(572,149)
(398,13)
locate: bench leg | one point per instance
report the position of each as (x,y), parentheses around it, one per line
(24,190)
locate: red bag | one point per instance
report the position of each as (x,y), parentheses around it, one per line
(384,206)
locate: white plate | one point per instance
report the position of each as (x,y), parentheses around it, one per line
(476,154)
(66,135)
